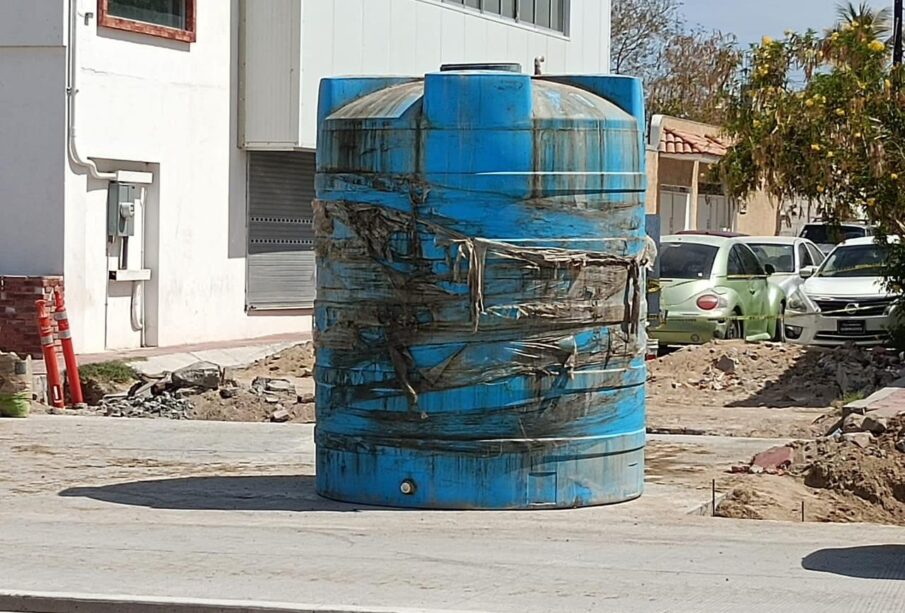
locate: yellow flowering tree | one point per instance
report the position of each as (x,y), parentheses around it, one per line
(822,117)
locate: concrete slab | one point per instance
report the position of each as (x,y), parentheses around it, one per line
(226,513)
(232,357)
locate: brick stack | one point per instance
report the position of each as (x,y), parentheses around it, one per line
(18,330)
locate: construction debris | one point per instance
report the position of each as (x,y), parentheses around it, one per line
(770,374)
(201,375)
(164,406)
(848,477)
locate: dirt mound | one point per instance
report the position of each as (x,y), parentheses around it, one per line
(870,469)
(735,373)
(297,361)
(853,477)
(247,406)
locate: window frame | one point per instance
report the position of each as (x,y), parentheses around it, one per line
(565,9)
(186,35)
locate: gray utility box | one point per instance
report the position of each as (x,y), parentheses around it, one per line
(121,199)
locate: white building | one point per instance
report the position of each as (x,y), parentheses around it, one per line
(199,115)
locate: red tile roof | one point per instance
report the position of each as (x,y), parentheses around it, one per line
(684,143)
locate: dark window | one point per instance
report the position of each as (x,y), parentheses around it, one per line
(550,14)
(826,234)
(736,268)
(750,264)
(165,18)
(686,260)
(804,256)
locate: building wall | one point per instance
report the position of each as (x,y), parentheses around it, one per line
(32,73)
(171,108)
(760,218)
(413,37)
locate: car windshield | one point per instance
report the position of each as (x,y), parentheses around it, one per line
(825,234)
(855,261)
(782,257)
(686,260)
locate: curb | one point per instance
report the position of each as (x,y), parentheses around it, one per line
(40,602)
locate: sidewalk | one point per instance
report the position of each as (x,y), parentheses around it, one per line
(228,354)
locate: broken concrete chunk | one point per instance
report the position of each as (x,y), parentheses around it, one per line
(727,364)
(280,386)
(228,392)
(853,423)
(861,439)
(280,416)
(142,390)
(205,375)
(271,399)
(875,424)
(776,458)
(900,446)
(305,398)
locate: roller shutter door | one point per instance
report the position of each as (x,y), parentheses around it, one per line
(280,230)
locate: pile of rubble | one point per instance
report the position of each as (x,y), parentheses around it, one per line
(771,374)
(205,391)
(858,471)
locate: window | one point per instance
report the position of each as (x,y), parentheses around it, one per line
(856,261)
(750,264)
(816,255)
(549,14)
(804,256)
(686,260)
(782,257)
(736,268)
(174,19)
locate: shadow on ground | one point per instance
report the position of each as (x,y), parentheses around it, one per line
(872,562)
(803,384)
(246,493)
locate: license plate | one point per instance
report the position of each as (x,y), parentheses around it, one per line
(851,327)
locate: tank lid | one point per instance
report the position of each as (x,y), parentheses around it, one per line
(498,67)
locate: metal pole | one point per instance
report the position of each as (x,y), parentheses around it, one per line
(897,33)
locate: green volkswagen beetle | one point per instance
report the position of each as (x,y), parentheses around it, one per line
(714,287)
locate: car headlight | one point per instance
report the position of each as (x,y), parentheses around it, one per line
(797,301)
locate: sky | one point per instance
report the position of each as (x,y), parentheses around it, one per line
(750,20)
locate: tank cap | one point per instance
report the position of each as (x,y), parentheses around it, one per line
(498,67)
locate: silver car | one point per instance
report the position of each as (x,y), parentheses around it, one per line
(788,255)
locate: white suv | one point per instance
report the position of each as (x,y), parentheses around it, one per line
(845,300)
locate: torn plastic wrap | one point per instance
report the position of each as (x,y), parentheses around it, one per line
(480,338)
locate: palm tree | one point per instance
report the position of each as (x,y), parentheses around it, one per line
(876,22)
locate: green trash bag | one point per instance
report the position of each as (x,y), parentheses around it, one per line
(15,385)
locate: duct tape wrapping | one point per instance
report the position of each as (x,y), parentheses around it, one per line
(390,281)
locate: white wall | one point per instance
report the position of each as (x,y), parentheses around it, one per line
(32,77)
(413,37)
(167,106)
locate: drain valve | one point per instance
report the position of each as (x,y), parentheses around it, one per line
(407,487)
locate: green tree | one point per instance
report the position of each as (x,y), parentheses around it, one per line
(822,117)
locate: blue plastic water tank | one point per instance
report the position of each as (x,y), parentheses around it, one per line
(479,315)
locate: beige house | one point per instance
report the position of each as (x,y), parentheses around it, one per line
(680,156)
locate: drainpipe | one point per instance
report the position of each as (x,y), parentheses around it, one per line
(71,91)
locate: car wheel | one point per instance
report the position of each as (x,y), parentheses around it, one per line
(736,329)
(779,333)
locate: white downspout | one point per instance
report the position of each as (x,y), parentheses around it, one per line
(71,91)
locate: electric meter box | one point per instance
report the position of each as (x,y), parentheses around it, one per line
(121,199)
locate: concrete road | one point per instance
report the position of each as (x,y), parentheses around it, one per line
(227,512)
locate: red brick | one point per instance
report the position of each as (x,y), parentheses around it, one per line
(776,458)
